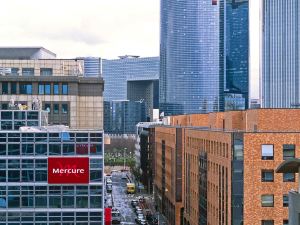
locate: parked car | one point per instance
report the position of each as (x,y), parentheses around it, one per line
(134,203)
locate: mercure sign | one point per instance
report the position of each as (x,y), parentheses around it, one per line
(68,170)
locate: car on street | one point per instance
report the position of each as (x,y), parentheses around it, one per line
(140,218)
(134,203)
(116,216)
(139,211)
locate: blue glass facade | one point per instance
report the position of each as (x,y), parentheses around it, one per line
(237,48)
(121,117)
(118,72)
(92,66)
(194,53)
(280,53)
(134,79)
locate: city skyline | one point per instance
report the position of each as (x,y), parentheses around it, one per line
(66,37)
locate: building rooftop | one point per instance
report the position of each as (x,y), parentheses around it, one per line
(26,53)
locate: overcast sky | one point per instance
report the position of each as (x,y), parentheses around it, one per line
(71,28)
(104,28)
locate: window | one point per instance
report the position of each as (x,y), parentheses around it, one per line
(13,88)
(267,175)
(48,107)
(288,177)
(41,89)
(56,108)
(267,222)
(64,108)
(46,71)
(288,152)
(15,71)
(44,89)
(267,152)
(28,71)
(25,89)
(64,89)
(4,106)
(285,201)
(267,200)
(4,88)
(55,88)
(47,89)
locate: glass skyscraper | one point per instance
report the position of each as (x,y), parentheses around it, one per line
(198,39)
(237,46)
(280,53)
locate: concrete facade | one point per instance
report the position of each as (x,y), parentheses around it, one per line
(59,85)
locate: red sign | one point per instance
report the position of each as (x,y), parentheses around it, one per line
(67,170)
(107,216)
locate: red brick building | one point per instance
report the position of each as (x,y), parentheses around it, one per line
(218,168)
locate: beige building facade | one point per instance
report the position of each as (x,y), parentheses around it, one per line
(59,85)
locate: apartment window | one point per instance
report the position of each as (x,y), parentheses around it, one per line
(48,107)
(28,71)
(285,222)
(288,177)
(55,108)
(267,152)
(285,201)
(4,88)
(267,222)
(13,88)
(55,88)
(25,89)
(288,152)
(64,89)
(64,108)
(267,200)
(267,175)
(46,71)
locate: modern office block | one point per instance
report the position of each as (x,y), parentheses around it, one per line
(92,66)
(219,168)
(121,117)
(58,85)
(280,54)
(132,78)
(203,52)
(51,175)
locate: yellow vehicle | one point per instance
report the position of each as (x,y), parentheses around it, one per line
(130,188)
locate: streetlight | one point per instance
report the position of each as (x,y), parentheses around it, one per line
(124,157)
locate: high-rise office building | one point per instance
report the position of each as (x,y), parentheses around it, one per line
(236,36)
(200,45)
(280,54)
(134,79)
(58,85)
(92,66)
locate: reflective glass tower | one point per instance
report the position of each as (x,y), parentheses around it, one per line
(198,38)
(237,48)
(280,53)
